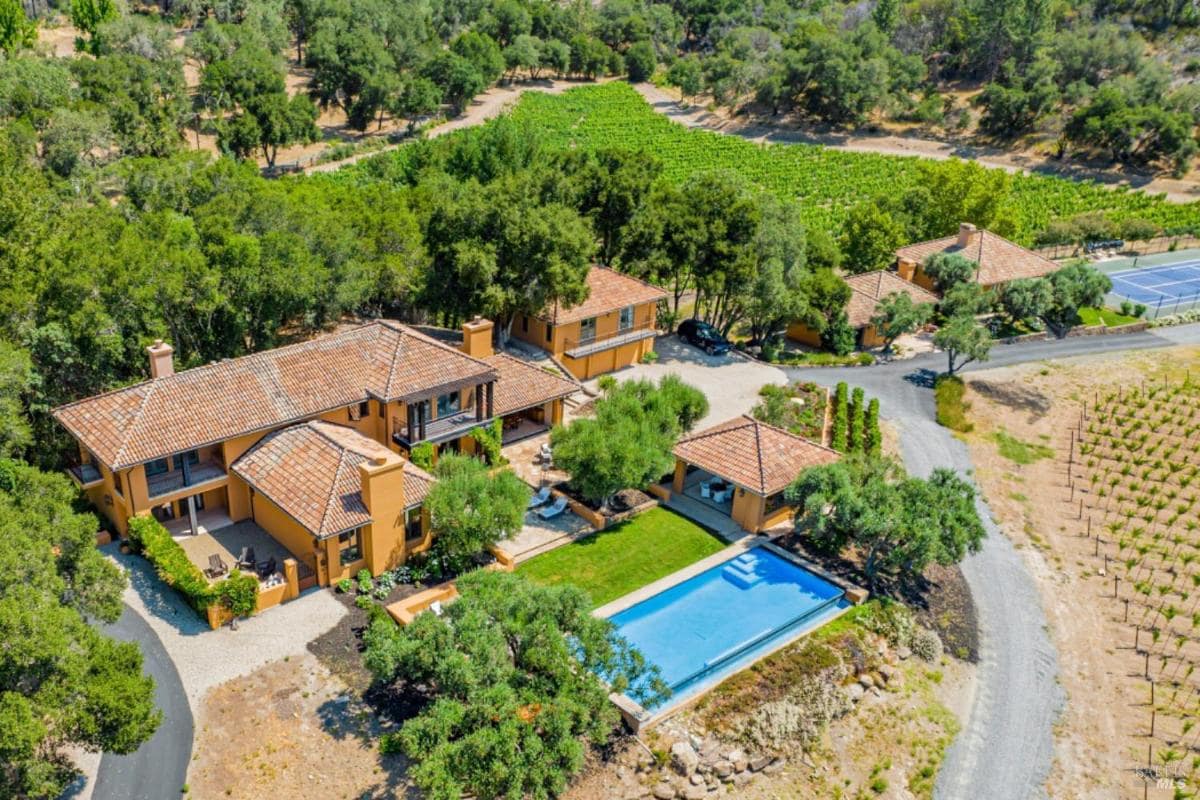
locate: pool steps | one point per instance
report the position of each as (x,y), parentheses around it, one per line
(740,572)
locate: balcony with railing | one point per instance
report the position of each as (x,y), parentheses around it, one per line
(86,474)
(587,345)
(178,479)
(417,427)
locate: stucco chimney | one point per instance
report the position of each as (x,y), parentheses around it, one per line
(965,231)
(477,338)
(162,364)
(382,480)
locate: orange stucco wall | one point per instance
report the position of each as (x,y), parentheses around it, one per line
(799,332)
(564,337)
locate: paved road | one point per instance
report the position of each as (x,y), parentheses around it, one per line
(158,769)
(1006,746)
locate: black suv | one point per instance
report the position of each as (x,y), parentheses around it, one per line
(705,336)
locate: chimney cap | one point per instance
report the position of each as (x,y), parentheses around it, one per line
(379,460)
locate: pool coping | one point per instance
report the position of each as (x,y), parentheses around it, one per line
(636,716)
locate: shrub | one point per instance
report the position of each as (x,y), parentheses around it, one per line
(802,716)
(841,414)
(345,585)
(650,357)
(390,744)
(363,601)
(421,454)
(874,439)
(490,440)
(153,541)
(952,409)
(364,580)
(238,593)
(891,620)
(926,645)
(857,412)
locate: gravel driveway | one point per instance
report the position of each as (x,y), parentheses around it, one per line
(731,382)
(206,658)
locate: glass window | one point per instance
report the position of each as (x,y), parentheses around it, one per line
(349,546)
(775,502)
(626,318)
(449,403)
(587,330)
(412,523)
(156,467)
(192,456)
(549,332)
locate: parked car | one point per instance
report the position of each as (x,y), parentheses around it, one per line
(699,333)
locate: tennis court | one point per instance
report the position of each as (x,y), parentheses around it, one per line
(1163,287)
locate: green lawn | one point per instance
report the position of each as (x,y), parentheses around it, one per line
(1094,316)
(1018,451)
(620,559)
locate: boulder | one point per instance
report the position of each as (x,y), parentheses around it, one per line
(664,791)
(724,769)
(742,778)
(684,759)
(696,779)
(855,692)
(866,680)
(774,766)
(903,653)
(759,762)
(887,672)
(695,792)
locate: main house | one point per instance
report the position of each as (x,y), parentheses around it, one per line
(310,441)
(999,260)
(613,328)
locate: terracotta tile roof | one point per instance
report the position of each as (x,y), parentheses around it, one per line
(754,455)
(521,385)
(999,259)
(608,291)
(871,287)
(210,404)
(310,471)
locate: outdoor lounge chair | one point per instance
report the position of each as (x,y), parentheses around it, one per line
(216,567)
(264,570)
(246,559)
(554,509)
(540,498)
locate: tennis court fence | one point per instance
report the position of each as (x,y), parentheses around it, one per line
(1159,244)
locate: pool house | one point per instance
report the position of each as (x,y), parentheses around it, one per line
(741,467)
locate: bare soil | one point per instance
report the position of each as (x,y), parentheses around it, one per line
(290,729)
(1100,739)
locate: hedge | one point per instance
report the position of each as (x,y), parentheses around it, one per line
(153,541)
(840,417)
(238,592)
(874,439)
(857,411)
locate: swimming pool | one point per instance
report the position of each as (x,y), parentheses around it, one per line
(711,625)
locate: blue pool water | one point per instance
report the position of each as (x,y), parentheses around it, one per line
(712,624)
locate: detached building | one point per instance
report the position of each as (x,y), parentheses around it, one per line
(613,328)
(999,260)
(866,291)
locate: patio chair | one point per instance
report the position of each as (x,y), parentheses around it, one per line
(266,569)
(546,455)
(436,608)
(705,489)
(721,496)
(246,559)
(554,509)
(216,567)
(540,497)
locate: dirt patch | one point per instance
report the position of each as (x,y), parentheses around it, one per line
(290,729)
(340,648)
(1100,739)
(940,597)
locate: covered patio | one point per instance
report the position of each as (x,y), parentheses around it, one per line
(524,458)
(228,541)
(741,468)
